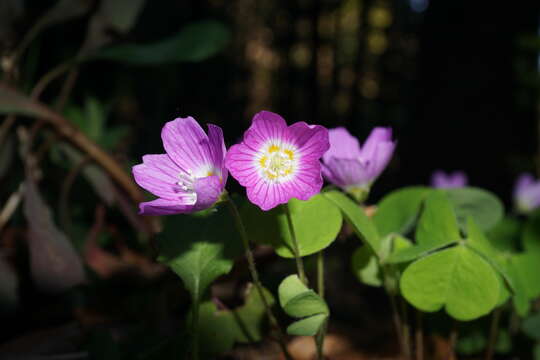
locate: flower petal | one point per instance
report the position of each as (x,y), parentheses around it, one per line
(266,126)
(218,150)
(311,140)
(240,161)
(187,144)
(342,145)
(381,158)
(158,174)
(208,190)
(347,172)
(378,135)
(164,207)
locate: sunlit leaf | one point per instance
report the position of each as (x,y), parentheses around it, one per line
(300,302)
(316,225)
(54,263)
(437,225)
(354,215)
(457,279)
(398,211)
(195,42)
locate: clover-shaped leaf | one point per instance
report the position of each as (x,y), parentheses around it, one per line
(457,279)
(316,222)
(484,207)
(398,211)
(436,229)
(300,302)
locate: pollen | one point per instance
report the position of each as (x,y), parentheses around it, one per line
(289,153)
(277,163)
(210,173)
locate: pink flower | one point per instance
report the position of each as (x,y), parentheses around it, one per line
(352,167)
(191,175)
(526,193)
(276,162)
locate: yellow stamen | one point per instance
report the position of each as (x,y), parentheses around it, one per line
(273,148)
(262,161)
(289,153)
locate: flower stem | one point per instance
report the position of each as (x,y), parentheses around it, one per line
(398,325)
(195,329)
(296,249)
(419,336)
(493,333)
(319,338)
(255,276)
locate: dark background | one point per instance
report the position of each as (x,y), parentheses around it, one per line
(456,80)
(452,80)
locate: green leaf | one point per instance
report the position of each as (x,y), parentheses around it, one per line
(354,215)
(215,335)
(531,326)
(195,42)
(505,235)
(525,269)
(316,224)
(437,225)
(413,252)
(199,248)
(478,242)
(300,302)
(307,327)
(484,207)
(250,318)
(531,234)
(471,342)
(365,267)
(457,279)
(397,212)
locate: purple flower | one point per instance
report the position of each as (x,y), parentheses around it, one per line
(442,180)
(355,168)
(191,176)
(526,193)
(276,162)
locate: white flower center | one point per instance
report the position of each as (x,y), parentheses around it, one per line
(186,184)
(277,162)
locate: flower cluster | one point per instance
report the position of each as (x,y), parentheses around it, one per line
(274,162)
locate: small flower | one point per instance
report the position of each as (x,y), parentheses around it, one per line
(276,162)
(355,168)
(442,180)
(191,175)
(526,193)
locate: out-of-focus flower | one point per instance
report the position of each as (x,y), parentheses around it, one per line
(526,193)
(191,175)
(355,168)
(442,180)
(276,162)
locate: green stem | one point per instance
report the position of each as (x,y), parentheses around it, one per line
(195,329)
(296,249)
(398,325)
(493,333)
(406,329)
(319,338)
(255,276)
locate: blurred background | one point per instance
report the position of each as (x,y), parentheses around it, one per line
(456,80)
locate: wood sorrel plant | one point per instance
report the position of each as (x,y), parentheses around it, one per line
(445,248)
